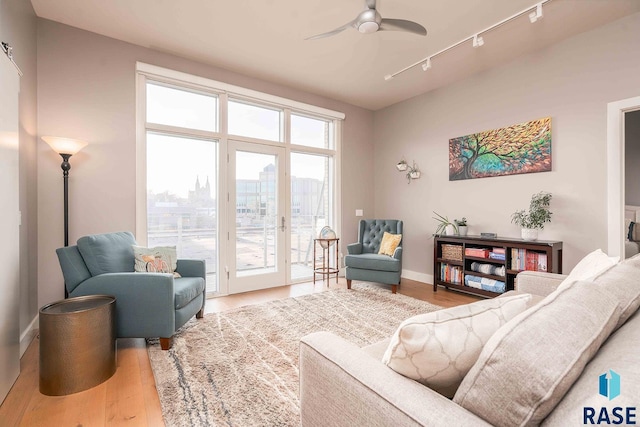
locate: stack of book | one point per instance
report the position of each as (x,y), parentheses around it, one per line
(476,252)
(498,253)
(522,259)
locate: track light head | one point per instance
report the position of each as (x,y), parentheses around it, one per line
(477,41)
(388,77)
(426,65)
(536,14)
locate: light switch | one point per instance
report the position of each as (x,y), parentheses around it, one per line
(359,212)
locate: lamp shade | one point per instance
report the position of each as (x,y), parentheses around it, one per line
(64,145)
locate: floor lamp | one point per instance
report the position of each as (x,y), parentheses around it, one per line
(66,147)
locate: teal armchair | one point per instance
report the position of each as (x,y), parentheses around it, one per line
(363,261)
(148,305)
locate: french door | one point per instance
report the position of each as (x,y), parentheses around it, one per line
(256,216)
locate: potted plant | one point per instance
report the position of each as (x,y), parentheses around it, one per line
(533,220)
(412,173)
(402,165)
(462,226)
(445,227)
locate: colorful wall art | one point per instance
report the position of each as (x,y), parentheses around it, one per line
(516,149)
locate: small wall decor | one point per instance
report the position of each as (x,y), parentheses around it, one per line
(517,149)
(402,165)
(412,172)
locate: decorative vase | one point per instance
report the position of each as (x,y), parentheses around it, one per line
(529,234)
(450,230)
(462,230)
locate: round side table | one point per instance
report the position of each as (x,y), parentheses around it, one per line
(77,344)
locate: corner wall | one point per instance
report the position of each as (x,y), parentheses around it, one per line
(572,82)
(86,90)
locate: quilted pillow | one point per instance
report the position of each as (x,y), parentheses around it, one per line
(437,349)
(161,259)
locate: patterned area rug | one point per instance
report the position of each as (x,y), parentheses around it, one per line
(240,367)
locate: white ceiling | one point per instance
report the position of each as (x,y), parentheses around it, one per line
(265,38)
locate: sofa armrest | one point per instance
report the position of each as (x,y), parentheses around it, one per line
(145,305)
(397,254)
(354,248)
(342,385)
(538,282)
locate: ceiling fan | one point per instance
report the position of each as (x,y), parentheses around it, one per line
(370,21)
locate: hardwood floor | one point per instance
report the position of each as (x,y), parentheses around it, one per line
(130,397)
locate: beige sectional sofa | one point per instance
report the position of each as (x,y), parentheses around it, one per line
(515,380)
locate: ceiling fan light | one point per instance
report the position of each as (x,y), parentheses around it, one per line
(368,27)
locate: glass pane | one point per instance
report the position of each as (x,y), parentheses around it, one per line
(254,122)
(311,209)
(311,132)
(256,213)
(182,198)
(176,107)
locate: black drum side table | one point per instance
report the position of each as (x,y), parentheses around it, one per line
(77,344)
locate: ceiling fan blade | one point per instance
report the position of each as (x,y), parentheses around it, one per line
(371,4)
(332,32)
(402,25)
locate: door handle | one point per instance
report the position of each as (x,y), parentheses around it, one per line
(282,226)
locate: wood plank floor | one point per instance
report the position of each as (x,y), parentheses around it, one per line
(130,397)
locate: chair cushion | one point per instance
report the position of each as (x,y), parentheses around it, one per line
(372,262)
(372,230)
(186,289)
(108,253)
(530,363)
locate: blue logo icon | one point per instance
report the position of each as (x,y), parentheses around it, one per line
(610,387)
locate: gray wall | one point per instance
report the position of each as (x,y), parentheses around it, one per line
(632,158)
(86,90)
(572,82)
(18,24)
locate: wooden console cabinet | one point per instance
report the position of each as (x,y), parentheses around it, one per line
(454,255)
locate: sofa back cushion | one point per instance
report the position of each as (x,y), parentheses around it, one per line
(372,231)
(73,267)
(528,365)
(623,281)
(618,354)
(108,253)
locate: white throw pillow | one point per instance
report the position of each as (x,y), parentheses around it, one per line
(437,349)
(593,264)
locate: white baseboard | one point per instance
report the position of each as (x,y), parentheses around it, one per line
(419,277)
(27,336)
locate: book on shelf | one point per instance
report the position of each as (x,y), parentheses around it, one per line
(497,255)
(497,250)
(451,273)
(522,259)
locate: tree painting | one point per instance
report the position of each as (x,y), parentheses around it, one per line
(521,148)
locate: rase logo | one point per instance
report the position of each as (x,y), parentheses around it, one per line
(609,387)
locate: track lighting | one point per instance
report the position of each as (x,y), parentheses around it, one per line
(536,14)
(477,41)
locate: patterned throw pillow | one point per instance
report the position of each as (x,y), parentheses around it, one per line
(389,243)
(161,259)
(437,349)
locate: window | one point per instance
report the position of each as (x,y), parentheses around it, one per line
(194,164)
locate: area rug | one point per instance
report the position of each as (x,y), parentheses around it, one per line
(240,367)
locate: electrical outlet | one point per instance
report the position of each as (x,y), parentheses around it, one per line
(359,212)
